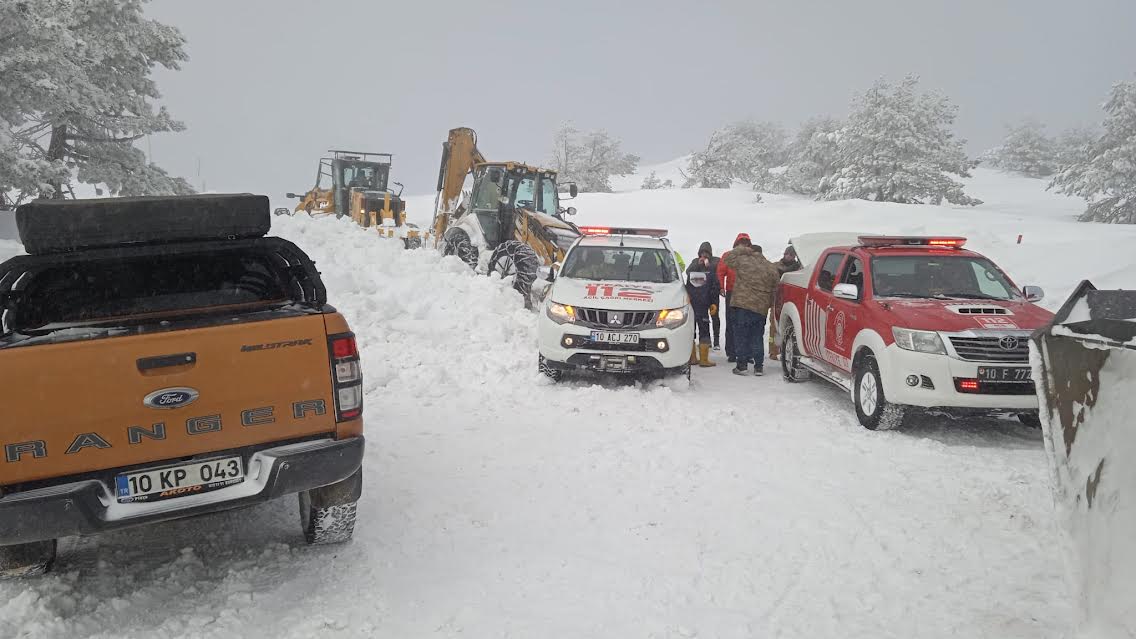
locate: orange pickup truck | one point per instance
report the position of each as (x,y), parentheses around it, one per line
(162,358)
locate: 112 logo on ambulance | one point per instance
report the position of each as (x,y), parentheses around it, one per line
(611,292)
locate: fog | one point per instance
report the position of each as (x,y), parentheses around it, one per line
(271,85)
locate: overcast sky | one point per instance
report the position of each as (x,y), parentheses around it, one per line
(272,84)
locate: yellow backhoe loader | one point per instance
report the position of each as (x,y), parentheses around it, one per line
(504,217)
(355,184)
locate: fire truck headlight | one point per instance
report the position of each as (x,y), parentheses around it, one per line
(918,341)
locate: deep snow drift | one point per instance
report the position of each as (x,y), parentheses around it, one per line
(498,504)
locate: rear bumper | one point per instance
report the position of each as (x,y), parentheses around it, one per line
(88,506)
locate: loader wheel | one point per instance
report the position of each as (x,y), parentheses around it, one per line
(27,560)
(791,358)
(458,244)
(412,243)
(872,408)
(519,260)
(327,514)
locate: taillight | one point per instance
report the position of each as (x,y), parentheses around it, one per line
(346,376)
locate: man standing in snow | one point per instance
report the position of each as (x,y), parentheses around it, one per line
(726,284)
(702,286)
(755,281)
(787,264)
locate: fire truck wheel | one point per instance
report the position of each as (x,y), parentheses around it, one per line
(872,408)
(1033,420)
(791,358)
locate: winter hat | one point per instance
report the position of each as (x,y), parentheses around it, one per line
(740,237)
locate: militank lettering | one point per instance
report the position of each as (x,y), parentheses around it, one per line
(249,348)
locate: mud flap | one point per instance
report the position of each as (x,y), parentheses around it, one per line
(1085,364)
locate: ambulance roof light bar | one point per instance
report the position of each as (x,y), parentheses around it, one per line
(617,230)
(911,240)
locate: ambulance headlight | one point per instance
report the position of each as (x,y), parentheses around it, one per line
(671,318)
(561,313)
(918,341)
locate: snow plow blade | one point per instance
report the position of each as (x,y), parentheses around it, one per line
(1085,364)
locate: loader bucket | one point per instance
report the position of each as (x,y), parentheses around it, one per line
(1085,364)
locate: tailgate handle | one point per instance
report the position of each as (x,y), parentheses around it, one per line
(166,361)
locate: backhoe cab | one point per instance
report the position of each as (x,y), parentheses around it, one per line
(356,184)
(505,216)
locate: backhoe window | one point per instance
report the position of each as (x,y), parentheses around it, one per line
(549,199)
(526,196)
(487,194)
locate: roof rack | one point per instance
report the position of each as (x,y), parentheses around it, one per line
(340,154)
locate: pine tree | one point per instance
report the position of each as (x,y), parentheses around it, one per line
(651,182)
(898,147)
(1073,145)
(590,159)
(77,94)
(1105,175)
(1026,149)
(811,156)
(738,152)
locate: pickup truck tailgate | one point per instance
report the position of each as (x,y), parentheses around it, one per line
(85,406)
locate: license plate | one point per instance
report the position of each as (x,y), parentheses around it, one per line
(1005,374)
(179,481)
(607,337)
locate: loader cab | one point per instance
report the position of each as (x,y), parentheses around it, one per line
(501,192)
(349,171)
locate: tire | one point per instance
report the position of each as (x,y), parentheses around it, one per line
(872,408)
(518,260)
(327,514)
(458,244)
(1033,420)
(27,560)
(554,374)
(412,243)
(791,358)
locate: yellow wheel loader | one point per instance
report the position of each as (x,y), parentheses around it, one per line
(1085,366)
(355,184)
(504,217)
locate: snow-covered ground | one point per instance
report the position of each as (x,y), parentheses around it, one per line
(500,505)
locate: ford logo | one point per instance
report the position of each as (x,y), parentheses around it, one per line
(168,398)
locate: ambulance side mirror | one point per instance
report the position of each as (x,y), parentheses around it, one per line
(846,292)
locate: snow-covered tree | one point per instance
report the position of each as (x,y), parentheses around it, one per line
(652,182)
(811,156)
(76,94)
(897,146)
(1073,145)
(1026,149)
(739,152)
(590,159)
(1106,174)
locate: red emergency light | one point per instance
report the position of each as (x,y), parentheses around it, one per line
(967,385)
(616,230)
(903,240)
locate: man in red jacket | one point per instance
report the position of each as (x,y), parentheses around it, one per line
(726,278)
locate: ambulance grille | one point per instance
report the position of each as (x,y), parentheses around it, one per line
(615,320)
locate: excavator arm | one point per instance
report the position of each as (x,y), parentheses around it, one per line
(459,156)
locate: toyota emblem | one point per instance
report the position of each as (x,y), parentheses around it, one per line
(1008,343)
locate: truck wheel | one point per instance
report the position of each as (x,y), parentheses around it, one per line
(458,244)
(519,260)
(872,408)
(791,358)
(27,560)
(555,374)
(327,514)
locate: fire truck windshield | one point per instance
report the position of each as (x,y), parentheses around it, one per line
(940,276)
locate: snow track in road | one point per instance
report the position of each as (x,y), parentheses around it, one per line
(498,504)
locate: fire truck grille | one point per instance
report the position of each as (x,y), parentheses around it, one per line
(1010,349)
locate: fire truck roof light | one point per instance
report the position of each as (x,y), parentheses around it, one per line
(616,230)
(903,240)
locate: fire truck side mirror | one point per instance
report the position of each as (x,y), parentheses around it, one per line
(1033,293)
(846,292)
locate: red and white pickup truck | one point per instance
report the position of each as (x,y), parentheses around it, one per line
(902,322)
